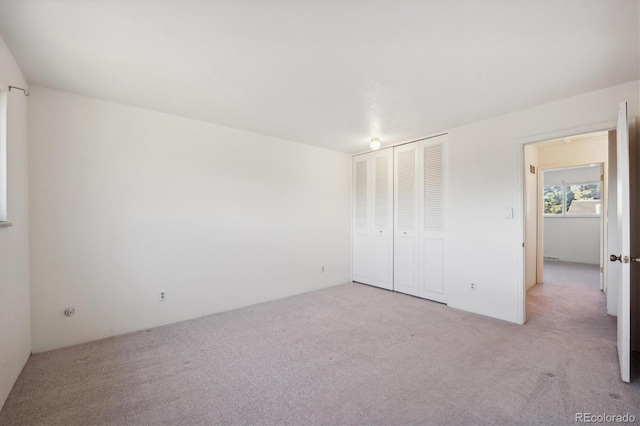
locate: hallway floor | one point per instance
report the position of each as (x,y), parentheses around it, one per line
(570,297)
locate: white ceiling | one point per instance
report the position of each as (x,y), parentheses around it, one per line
(327,73)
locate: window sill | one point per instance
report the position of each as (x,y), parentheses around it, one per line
(571,216)
(6,224)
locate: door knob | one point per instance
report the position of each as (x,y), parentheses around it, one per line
(635,259)
(614,258)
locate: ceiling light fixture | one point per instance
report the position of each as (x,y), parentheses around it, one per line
(375,143)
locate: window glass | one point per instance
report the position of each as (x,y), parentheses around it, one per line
(552,200)
(583,198)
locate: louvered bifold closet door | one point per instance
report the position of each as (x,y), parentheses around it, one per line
(362,219)
(432,217)
(406,226)
(383,219)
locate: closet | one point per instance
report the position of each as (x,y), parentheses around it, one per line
(399,200)
(419,218)
(373,218)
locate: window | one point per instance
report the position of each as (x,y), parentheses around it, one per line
(578,199)
(583,199)
(553,200)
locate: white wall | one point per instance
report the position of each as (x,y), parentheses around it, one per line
(15,329)
(570,175)
(484,159)
(126,202)
(573,239)
(114,195)
(590,151)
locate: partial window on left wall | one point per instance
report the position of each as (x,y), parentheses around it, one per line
(3,155)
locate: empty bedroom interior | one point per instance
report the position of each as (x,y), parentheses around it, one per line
(318,212)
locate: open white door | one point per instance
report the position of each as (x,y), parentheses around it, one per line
(623,244)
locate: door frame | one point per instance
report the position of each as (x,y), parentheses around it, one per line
(521,300)
(604,203)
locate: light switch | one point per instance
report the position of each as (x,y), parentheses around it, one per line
(508,213)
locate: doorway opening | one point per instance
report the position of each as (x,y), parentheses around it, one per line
(619,267)
(567,198)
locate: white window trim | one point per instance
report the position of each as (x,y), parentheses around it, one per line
(4,174)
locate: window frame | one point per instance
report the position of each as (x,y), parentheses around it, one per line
(562,201)
(4,172)
(565,213)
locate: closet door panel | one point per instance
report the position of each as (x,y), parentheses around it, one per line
(382,261)
(432,218)
(405,218)
(361,258)
(383,211)
(433,260)
(383,219)
(404,279)
(361,255)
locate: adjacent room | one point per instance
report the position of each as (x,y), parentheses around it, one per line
(318,212)
(573,226)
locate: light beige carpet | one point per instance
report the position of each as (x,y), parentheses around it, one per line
(351,354)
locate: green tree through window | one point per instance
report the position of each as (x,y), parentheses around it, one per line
(552,200)
(582,192)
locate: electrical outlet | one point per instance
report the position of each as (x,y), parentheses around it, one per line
(163,295)
(323,269)
(473,286)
